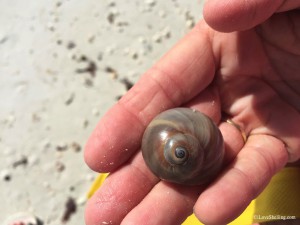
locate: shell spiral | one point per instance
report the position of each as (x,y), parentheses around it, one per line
(183,146)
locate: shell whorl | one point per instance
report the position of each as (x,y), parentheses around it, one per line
(184,146)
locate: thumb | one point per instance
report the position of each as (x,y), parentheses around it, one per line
(238,15)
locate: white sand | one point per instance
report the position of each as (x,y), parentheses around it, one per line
(48,101)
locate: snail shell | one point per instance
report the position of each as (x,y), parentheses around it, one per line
(183,146)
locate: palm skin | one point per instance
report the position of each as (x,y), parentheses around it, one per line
(250,76)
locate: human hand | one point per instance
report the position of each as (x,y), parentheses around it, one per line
(252,76)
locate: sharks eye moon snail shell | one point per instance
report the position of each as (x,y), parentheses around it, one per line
(184,146)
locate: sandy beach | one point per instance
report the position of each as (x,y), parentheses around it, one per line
(63,64)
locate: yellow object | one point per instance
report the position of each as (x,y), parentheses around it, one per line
(96,184)
(280,198)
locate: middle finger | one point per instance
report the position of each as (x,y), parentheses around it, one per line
(166,204)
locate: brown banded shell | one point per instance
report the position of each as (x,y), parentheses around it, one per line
(183,146)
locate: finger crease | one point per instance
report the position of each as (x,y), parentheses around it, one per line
(171,84)
(247,179)
(146,179)
(131,113)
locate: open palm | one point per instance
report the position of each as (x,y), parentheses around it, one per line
(251,76)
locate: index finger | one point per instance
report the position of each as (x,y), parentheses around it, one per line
(178,77)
